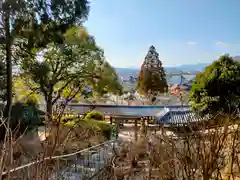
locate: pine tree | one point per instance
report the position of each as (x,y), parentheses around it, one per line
(152,77)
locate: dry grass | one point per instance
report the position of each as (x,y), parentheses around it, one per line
(206,154)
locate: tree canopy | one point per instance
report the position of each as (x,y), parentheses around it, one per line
(25,90)
(152,77)
(217,88)
(67,69)
(108,81)
(57,57)
(35,24)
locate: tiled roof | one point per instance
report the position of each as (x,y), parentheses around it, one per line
(179,117)
(124,111)
(121,110)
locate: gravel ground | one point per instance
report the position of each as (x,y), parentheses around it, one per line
(127,133)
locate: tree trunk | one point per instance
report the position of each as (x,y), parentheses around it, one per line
(206,176)
(8,41)
(49,107)
(136,129)
(143,126)
(117,121)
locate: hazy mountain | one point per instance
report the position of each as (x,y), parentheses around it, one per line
(236,58)
(185,67)
(189,67)
(192,68)
(125,73)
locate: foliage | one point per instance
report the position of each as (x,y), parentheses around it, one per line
(152,77)
(65,69)
(217,89)
(10,12)
(94,115)
(100,126)
(106,129)
(34,24)
(54,28)
(40,22)
(23,117)
(32,101)
(26,90)
(108,81)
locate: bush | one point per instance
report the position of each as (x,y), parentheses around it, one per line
(94,115)
(100,126)
(31,101)
(106,129)
(68,121)
(23,116)
(103,127)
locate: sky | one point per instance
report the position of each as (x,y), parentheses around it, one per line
(182,31)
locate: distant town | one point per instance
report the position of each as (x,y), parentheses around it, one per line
(129,76)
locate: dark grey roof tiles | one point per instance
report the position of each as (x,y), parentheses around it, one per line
(122,110)
(179,117)
(125,111)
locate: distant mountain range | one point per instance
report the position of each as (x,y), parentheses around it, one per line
(190,68)
(126,73)
(236,58)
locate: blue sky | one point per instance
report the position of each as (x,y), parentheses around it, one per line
(183,31)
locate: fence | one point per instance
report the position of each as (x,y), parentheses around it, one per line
(81,165)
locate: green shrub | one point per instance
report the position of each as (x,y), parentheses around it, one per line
(69,121)
(94,115)
(23,116)
(31,100)
(106,129)
(101,126)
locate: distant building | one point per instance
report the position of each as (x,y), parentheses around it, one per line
(177,88)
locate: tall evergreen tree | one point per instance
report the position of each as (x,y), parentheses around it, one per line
(152,77)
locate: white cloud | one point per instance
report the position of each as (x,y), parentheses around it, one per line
(223,44)
(219,43)
(191,43)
